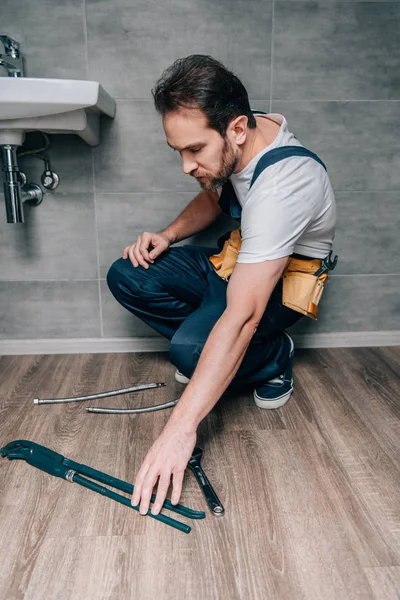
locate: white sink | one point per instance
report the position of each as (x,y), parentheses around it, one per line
(52,106)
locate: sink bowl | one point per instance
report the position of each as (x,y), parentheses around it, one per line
(52,106)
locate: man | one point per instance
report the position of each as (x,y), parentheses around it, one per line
(223,331)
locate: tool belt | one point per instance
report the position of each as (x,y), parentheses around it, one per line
(225,261)
(301,287)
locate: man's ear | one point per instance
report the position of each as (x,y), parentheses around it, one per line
(237,129)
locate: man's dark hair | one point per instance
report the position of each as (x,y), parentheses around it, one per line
(200,81)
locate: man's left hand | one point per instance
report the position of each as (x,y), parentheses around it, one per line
(169,455)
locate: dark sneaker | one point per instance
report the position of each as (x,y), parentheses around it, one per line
(180,377)
(276,392)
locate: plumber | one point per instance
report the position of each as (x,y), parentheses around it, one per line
(225,310)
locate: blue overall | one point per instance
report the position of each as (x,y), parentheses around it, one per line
(182,297)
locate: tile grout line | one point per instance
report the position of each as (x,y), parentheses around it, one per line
(272,57)
(97,249)
(86,39)
(94,187)
(100,279)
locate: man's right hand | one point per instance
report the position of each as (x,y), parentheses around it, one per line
(147,248)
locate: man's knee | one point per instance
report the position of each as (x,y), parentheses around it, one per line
(185,350)
(124,279)
(113,277)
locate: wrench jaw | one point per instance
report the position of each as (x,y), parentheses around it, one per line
(3,451)
(16,449)
(327,264)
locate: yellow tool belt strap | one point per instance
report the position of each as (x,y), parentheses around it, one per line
(301,289)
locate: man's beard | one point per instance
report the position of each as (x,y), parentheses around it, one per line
(229,161)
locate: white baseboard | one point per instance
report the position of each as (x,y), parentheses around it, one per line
(159,344)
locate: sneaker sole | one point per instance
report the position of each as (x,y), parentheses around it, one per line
(277,403)
(180,378)
(281,400)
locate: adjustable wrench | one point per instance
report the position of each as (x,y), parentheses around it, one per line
(212,499)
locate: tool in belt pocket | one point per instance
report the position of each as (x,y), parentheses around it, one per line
(327,264)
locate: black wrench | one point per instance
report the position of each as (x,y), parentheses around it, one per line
(212,499)
(327,264)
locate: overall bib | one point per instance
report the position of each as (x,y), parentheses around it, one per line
(302,290)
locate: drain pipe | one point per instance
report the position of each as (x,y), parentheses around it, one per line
(16,194)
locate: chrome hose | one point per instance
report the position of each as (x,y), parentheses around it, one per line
(136,388)
(131,411)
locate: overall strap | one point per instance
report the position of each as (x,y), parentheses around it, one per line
(228,200)
(277,154)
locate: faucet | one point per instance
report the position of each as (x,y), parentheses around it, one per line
(12,59)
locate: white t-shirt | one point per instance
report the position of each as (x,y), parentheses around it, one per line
(289,209)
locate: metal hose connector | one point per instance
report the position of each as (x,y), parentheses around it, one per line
(131,411)
(136,388)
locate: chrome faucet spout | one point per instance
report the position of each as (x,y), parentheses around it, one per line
(11,69)
(12,59)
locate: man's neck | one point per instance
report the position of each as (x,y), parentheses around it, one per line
(257,139)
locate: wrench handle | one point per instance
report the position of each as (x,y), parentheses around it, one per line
(212,499)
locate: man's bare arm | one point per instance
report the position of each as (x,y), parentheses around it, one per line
(199,214)
(248,292)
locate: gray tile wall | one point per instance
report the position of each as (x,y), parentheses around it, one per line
(332,68)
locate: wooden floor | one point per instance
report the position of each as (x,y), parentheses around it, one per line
(311,490)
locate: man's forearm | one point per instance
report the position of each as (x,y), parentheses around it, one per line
(199,214)
(219,361)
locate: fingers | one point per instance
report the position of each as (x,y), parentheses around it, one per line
(177,485)
(144,245)
(138,256)
(162,491)
(143,489)
(157,250)
(131,254)
(135,256)
(137,491)
(147,491)
(160,243)
(139,251)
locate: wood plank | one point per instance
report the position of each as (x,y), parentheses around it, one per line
(384,582)
(311,491)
